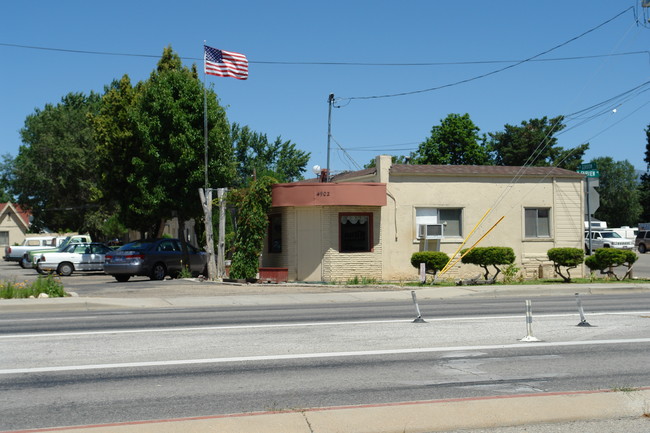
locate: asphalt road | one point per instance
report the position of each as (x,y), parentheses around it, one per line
(143,371)
(86,367)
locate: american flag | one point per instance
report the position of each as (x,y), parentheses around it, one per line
(225,63)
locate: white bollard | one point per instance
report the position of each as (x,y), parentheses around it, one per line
(418,319)
(529,323)
(583,319)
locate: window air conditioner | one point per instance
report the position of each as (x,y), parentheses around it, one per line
(430,231)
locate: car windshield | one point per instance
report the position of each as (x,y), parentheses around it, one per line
(611,235)
(136,246)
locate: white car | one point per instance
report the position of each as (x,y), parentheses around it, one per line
(607,239)
(75,257)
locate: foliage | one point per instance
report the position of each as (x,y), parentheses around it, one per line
(569,258)
(54,174)
(395,159)
(489,256)
(256,156)
(434,261)
(644,186)
(455,141)
(49,285)
(605,259)
(252,224)
(533,143)
(356,280)
(619,195)
(6,175)
(510,272)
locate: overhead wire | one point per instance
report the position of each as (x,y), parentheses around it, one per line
(487,74)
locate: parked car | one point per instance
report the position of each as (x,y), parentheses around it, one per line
(30,258)
(15,253)
(75,257)
(607,239)
(154,259)
(642,241)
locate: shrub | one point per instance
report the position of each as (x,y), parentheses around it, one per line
(489,256)
(605,259)
(433,261)
(44,284)
(570,258)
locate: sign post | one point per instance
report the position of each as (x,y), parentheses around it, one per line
(591,172)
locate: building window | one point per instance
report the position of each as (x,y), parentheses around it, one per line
(537,222)
(355,232)
(4,238)
(450,218)
(275,233)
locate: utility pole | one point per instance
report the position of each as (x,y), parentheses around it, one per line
(206,202)
(330,102)
(221,249)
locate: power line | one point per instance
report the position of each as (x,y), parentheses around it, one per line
(467,80)
(298,63)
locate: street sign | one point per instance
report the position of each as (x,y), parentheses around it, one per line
(589,172)
(587,166)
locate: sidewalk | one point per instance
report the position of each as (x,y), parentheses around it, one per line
(193,293)
(490,413)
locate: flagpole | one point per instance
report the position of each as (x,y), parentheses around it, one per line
(205,119)
(206,194)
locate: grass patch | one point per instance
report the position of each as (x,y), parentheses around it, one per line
(48,284)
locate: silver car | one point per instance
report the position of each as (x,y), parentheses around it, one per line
(154,259)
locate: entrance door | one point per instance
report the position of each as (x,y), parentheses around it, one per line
(310,249)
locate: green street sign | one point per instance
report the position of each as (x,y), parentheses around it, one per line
(587,166)
(589,172)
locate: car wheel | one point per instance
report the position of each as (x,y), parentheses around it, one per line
(642,248)
(122,278)
(23,263)
(158,272)
(65,269)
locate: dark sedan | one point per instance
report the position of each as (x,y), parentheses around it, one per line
(153,258)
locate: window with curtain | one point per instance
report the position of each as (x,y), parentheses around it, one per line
(355,232)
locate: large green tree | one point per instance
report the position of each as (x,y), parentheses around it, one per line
(54,174)
(153,145)
(619,195)
(256,156)
(534,143)
(456,141)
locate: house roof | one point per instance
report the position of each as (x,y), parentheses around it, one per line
(454,170)
(481,170)
(23,215)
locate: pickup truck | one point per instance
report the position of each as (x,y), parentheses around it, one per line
(15,253)
(28,259)
(607,239)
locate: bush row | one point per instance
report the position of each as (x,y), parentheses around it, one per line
(564,259)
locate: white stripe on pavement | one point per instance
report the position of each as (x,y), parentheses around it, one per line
(70,368)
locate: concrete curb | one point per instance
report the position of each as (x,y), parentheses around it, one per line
(292,295)
(410,417)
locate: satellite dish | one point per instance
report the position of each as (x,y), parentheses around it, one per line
(316,169)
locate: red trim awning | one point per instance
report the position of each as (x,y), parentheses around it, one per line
(329,194)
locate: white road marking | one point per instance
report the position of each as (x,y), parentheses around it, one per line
(71,368)
(304,324)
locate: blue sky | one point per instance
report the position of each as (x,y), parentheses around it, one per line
(288,98)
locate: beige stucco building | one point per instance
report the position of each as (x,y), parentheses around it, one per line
(367,224)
